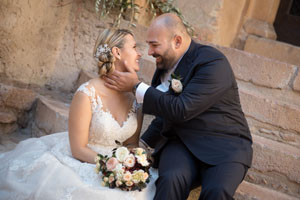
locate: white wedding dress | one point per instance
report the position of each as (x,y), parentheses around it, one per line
(43,168)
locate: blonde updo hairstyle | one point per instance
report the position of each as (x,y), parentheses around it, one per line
(112,38)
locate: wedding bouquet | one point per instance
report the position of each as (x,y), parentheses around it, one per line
(125,169)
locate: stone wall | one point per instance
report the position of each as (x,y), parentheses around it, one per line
(30,37)
(47,49)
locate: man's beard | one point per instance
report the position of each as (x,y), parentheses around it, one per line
(167,60)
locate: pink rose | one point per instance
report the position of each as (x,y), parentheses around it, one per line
(111,164)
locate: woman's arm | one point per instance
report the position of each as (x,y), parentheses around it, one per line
(79,122)
(133,141)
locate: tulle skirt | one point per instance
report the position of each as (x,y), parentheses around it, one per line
(43,168)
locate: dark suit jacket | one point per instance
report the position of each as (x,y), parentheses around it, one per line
(206,116)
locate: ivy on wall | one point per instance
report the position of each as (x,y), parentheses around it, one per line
(122,8)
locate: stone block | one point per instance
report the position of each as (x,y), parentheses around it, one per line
(275,165)
(249,191)
(296,83)
(274,132)
(21,99)
(260,28)
(286,161)
(261,108)
(84,76)
(7,117)
(273,49)
(263,10)
(51,116)
(259,70)
(147,69)
(8,128)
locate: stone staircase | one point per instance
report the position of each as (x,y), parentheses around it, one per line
(270,97)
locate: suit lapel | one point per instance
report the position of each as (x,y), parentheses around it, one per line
(156,78)
(186,62)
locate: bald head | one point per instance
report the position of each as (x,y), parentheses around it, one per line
(172,23)
(168,40)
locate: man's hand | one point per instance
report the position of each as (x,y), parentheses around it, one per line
(122,81)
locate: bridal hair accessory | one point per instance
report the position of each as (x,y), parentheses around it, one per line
(102,49)
(125,169)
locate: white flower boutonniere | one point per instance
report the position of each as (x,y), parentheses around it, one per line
(175,83)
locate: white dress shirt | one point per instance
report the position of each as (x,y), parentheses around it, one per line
(164,86)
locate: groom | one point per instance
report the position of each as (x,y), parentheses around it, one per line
(200,134)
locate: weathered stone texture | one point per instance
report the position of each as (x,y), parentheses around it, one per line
(7,117)
(21,99)
(259,70)
(285,162)
(204,19)
(51,116)
(296,83)
(274,132)
(273,49)
(30,34)
(84,76)
(277,165)
(147,69)
(284,115)
(8,128)
(260,28)
(248,191)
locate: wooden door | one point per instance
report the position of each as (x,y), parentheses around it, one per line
(287,22)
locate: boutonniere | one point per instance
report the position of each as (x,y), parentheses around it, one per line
(175,83)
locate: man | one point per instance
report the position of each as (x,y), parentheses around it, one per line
(200,134)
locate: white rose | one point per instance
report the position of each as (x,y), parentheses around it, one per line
(129,161)
(137,176)
(176,85)
(122,153)
(139,151)
(143,160)
(119,168)
(105,179)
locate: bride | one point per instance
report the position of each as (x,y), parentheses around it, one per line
(61,165)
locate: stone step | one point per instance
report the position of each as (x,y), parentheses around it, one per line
(260,70)
(51,116)
(249,191)
(275,165)
(16,98)
(269,110)
(7,117)
(273,49)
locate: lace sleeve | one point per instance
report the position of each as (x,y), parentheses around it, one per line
(90,92)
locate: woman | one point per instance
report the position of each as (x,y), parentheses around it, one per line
(53,167)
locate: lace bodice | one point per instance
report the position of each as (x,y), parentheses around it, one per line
(44,168)
(104,129)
